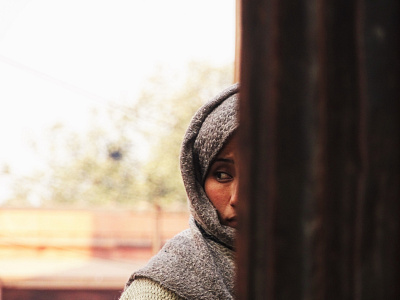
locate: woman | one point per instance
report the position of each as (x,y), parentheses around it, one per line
(198,263)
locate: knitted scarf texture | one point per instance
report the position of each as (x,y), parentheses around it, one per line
(199,263)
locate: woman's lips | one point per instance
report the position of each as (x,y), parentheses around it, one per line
(232,222)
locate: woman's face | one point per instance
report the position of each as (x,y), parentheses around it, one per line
(221,184)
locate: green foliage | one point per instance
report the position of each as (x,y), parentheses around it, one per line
(94,180)
(132,158)
(162,174)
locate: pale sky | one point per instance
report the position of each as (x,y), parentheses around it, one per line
(59,58)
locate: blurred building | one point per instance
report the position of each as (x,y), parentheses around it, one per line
(77,254)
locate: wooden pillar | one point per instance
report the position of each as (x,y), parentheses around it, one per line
(319,136)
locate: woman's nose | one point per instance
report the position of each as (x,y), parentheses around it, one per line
(234,194)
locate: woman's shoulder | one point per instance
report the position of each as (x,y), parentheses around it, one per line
(145,288)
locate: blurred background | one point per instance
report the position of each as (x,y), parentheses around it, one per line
(95,98)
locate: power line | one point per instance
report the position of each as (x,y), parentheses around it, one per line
(68,86)
(77,90)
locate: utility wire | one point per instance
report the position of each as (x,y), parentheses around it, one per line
(68,86)
(77,90)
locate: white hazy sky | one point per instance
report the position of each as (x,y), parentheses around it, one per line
(60,58)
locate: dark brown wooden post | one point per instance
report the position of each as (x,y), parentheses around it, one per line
(320,106)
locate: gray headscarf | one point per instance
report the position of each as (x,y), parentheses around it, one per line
(198,263)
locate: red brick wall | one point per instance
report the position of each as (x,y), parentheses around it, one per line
(111,234)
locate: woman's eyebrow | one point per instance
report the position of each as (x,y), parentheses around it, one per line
(227,160)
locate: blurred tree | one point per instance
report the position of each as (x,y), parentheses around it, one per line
(171,114)
(98,176)
(95,169)
(131,158)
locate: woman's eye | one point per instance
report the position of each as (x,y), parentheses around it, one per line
(222,176)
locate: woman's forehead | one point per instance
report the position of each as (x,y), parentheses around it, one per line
(229,149)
